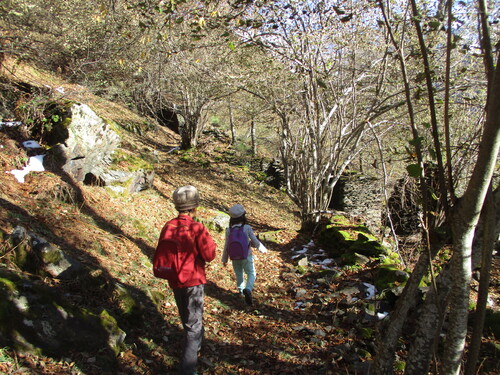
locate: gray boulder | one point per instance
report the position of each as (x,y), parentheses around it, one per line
(89,144)
(36,255)
(34,318)
(85,150)
(125,181)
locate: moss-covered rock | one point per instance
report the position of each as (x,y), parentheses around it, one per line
(369,248)
(36,255)
(354,259)
(271,236)
(342,239)
(35,318)
(214,220)
(129,305)
(388,276)
(116,335)
(23,256)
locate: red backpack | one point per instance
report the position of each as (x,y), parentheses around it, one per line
(175,255)
(238,244)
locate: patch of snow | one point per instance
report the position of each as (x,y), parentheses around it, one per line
(370,291)
(10,123)
(31,144)
(491,302)
(327,261)
(382,315)
(28,323)
(326,268)
(303,251)
(35,164)
(21,303)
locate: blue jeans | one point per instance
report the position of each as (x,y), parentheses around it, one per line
(190,304)
(241,267)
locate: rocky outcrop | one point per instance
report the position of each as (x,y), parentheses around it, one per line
(34,318)
(89,144)
(36,255)
(86,152)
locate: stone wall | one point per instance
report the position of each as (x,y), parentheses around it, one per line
(362,196)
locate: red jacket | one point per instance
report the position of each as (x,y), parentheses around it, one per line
(205,248)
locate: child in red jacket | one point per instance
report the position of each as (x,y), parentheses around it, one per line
(189,296)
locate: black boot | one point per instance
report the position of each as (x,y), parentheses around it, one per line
(248,296)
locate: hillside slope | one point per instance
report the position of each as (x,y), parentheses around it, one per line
(299,324)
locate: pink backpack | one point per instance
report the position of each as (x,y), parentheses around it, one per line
(238,244)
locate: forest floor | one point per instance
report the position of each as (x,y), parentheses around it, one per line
(298,324)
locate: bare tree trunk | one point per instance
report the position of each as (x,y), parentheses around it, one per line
(490,235)
(464,223)
(253,137)
(231,123)
(429,324)
(443,198)
(387,343)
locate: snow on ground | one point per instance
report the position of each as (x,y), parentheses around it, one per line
(35,163)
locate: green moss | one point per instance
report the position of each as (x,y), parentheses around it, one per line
(128,304)
(5,357)
(7,287)
(108,322)
(271,236)
(52,256)
(365,237)
(110,325)
(302,270)
(364,353)
(389,276)
(341,238)
(24,257)
(400,365)
(368,248)
(21,344)
(345,236)
(130,162)
(339,220)
(366,333)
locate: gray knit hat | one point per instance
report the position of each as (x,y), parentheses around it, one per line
(236,211)
(186,198)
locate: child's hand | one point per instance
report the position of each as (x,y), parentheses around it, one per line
(263,251)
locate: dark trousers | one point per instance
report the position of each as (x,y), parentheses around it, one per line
(190,304)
